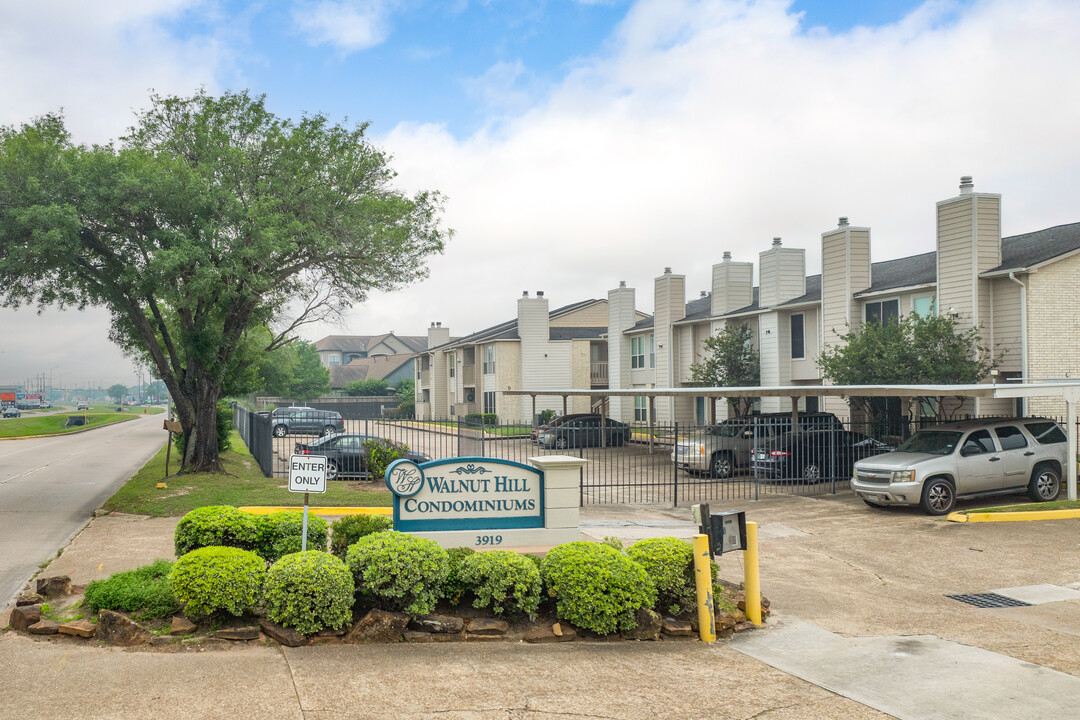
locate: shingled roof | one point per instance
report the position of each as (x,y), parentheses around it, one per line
(379,366)
(509,330)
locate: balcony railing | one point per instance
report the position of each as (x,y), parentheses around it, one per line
(598,373)
(425,378)
(468,375)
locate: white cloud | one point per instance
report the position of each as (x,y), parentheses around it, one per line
(349,25)
(715,125)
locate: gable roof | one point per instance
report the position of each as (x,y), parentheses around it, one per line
(379,366)
(1024,251)
(361,343)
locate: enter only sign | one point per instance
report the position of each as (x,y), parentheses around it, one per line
(307,473)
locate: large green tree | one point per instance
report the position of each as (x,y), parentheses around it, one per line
(910,350)
(117,392)
(212,217)
(732,361)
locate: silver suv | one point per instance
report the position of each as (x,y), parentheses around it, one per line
(936,466)
(722,448)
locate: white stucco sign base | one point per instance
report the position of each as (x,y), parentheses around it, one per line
(487,503)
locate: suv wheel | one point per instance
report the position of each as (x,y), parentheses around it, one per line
(280,431)
(331,470)
(1045,485)
(938,496)
(811,473)
(560,443)
(721,465)
(329,430)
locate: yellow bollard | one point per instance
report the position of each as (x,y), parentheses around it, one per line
(752,580)
(703,581)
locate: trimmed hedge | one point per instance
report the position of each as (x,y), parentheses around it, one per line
(397,571)
(349,529)
(669,563)
(281,533)
(143,591)
(215,526)
(596,587)
(214,579)
(506,581)
(454,587)
(309,591)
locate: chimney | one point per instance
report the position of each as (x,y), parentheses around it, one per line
(843,222)
(437,335)
(533,318)
(669,306)
(781,274)
(732,285)
(539,293)
(968,243)
(621,317)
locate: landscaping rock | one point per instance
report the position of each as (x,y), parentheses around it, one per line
(117,629)
(437,624)
(286,636)
(162,640)
(22,617)
(53,587)
(747,625)
(648,627)
(29,599)
(378,626)
(418,636)
(240,632)
(486,627)
(726,632)
(78,628)
(44,627)
(182,626)
(547,634)
(676,628)
(730,619)
(331,632)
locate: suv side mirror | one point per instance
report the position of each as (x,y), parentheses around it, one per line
(748,433)
(970,449)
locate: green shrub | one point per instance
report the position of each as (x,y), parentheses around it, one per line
(379,453)
(669,563)
(144,592)
(213,579)
(482,419)
(309,591)
(281,533)
(454,587)
(506,581)
(214,526)
(596,587)
(349,529)
(398,571)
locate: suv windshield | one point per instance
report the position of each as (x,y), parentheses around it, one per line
(728,428)
(935,442)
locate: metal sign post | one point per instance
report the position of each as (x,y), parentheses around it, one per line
(307,474)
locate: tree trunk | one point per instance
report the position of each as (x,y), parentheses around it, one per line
(201,452)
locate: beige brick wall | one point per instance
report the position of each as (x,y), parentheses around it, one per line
(1053,328)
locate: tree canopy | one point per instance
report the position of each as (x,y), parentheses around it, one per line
(294,371)
(211,218)
(909,350)
(117,392)
(368,386)
(732,362)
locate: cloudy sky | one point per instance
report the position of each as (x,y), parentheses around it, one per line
(584,143)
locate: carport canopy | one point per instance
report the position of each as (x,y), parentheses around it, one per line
(1067,391)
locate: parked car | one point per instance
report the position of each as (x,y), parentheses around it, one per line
(813,455)
(11,412)
(306,421)
(344,453)
(585,431)
(936,467)
(287,411)
(722,448)
(83,406)
(556,422)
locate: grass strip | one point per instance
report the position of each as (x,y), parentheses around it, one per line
(243,485)
(53,424)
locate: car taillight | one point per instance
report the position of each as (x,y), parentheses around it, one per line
(305,451)
(779,453)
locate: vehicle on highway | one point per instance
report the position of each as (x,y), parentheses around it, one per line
(813,455)
(585,431)
(345,454)
(937,466)
(83,406)
(306,421)
(11,412)
(721,449)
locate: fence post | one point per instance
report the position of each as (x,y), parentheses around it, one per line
(675,465)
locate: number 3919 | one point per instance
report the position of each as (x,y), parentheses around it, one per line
(489,539)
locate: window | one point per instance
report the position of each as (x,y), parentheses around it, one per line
(924,306)
(489,402)
(1010,438)
(489,361)
(1046,432)
(652,350)
(334,359)
(882,312)
(982,440)
(451,366)
(641,409)
(798,344)
(637,352)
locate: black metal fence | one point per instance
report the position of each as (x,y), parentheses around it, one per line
(672,465)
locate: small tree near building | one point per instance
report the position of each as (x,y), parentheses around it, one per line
(369,386)
(733,361)
(910,350)
(117,392)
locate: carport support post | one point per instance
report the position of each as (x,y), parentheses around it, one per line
(533,416)
(652,421)
(1070,427)
(564,405)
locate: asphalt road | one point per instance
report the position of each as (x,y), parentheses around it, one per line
(50,487)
